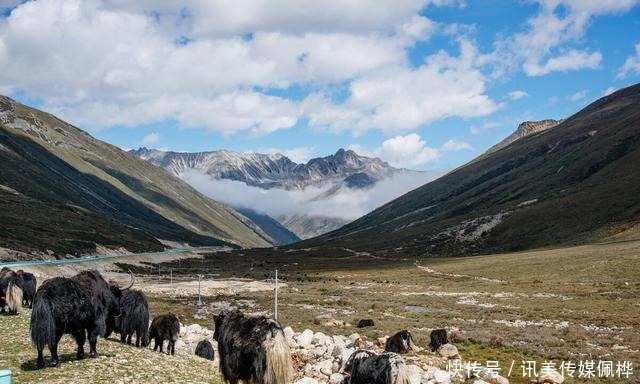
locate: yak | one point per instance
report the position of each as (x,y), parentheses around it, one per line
(204,349)
(367,367)
(252,349)
(365,323)
(133,318)
(63,305)
(29,284)
(438,338)
(78,306)
(165,327)
(401,343)
(10,291)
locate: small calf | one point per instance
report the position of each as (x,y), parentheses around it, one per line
(165,327)
(438,338)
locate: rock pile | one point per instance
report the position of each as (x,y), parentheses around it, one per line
(319,358)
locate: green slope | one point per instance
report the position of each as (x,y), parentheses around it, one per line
(575,183)
(63,190)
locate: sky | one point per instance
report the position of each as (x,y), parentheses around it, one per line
(422,84)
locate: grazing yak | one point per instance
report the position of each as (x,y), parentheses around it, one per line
(367,367)
(252,349)
(438,338)
(401,343)
(365,323)
(133,318)
(165,327)
(78,306)
(204,349)
(10,291)
(29,285)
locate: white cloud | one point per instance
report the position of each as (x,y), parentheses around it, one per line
(151,138)
(410,150)
(609,91)
(297,155)
(578,95)
(456,145)
(54,51)
(346,203)
(542,48)
(631,65)
(402,99)
(517,95)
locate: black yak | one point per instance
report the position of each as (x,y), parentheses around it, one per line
(366,367)
(105,297)
(438,338)
(365,323)
(252,349)
(401,343)
(10,291)
(204,349)
(29,285)
(133,318)
(62,305)
(165,327)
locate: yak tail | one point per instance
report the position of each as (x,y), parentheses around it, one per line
(279,367)
(42,323)
(14,298)
(403,374)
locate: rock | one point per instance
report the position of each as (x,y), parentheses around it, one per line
(319,338)
(180,344)
(496,380)
(336,378)
(194,328)
(415,374)
(337,350)
(339,340)
(441,377)
(480,382)
(335,367)
(307,380)
(382,341)
(320,350)
(551,378)
(354,337)
(449,351)
(288,333)
(305,338)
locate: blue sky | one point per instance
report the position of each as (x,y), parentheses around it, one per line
(422,84)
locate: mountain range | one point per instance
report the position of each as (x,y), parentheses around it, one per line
(334,173)
(64,192)
(566,184)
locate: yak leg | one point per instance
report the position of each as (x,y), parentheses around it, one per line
(171,347)
(129,338)
(55,360)
(123,337)
(159,343)
(41,362)
(93,340)
(80,337)
(137,339)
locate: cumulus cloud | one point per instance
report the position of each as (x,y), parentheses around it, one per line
(631,65)
(207,64)
(542,48)
(347,203)
(151,138)
(410,150)
(401,98)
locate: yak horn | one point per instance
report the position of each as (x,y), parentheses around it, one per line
(133,280)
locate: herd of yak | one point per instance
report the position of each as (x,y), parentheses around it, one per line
(251,349)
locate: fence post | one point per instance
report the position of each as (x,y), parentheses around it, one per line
(276,296)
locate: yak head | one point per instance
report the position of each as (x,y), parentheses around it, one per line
(217,321)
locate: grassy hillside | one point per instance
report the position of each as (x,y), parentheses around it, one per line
(117,363)
(571,184)
(63,190)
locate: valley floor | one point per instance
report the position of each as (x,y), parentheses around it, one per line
(576,304)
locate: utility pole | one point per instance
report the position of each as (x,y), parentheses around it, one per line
(199,297)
